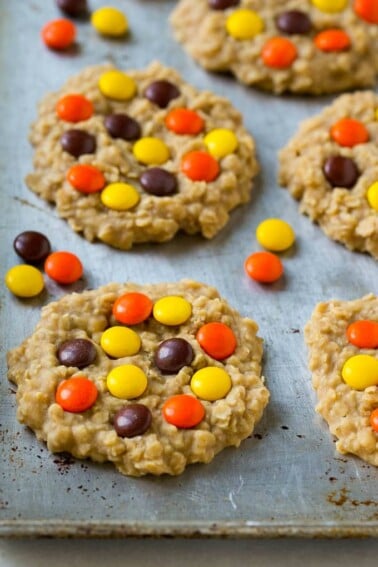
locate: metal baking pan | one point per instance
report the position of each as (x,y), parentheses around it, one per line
(286,479)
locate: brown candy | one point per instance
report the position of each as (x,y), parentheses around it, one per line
(159,182)
(122,126)
(341,171)
(132,420)
(161,93)
(77,352)
(294,22)
(78,142)
(33,247)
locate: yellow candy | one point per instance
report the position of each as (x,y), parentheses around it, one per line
(172,310)
(211,383)
(120,341)
(109,21)
(361,371)
(330,6)
(24,281)
(372,196)
(117,85)
(221,142)
(126,382)
(275,234)
(376,114)
(120,196)
(151,151)
(244,24)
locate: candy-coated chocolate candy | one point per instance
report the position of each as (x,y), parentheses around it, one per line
(221,142)
(264,267)
(372,196)
(184,121)
(223,4)
(127,381)
(217,340)
(86,178)
(341,171)
(158,182)
(279,53)
(161,93)
(132,420)
(24,281)
(73,8)
(183,411)
(172,310)
(332,40)
(117,85)
(78,142)
(132,308)
(74,108)
(151,151)
(120,196)
(120,341)
(244,24)
(33,247)
(363,333)
(330,6)
(77,352)
(59,34)
(200,166)
(361,371)
(173,354)
(294,22)
(374,420)
(211,383)
(77,394)
(367,10)
(348,132)
(275,234)
(109,21)
(122,126)
(63,267)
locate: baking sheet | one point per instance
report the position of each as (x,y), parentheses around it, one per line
(287,478)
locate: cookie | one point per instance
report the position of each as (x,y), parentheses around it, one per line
(331,167)
(302,46)
(137,156)
(151,378)
(342,337)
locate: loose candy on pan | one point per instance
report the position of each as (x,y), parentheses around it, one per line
(275,234)
(32,246)
(24,281)
(264,267)
(109,21)
(73,8)
(63,267)
(59,34)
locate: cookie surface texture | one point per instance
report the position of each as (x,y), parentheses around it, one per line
(150,397)
(342,337)
(302,46)
(331,167)
(136,156)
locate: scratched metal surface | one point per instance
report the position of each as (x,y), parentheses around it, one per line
(285,480)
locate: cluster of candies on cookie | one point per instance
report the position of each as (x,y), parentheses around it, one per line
(128,381)
(152,152)
(361,370)
(341,171)
(279,52)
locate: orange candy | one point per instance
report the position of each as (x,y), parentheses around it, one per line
(332,40)
(59,34)
(217,340)
(132,308)
(63,267)
(76,394)
(279,53)
(264,267)
(348,132)
(374,420)
(86,178)
(74,108)
(183,411)
(363,334)
(367,10)
(200,166)
(184,121)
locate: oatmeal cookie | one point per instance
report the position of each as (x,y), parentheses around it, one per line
(135,157)
(151,378)
(302,46)
(331,167)
(342,337)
